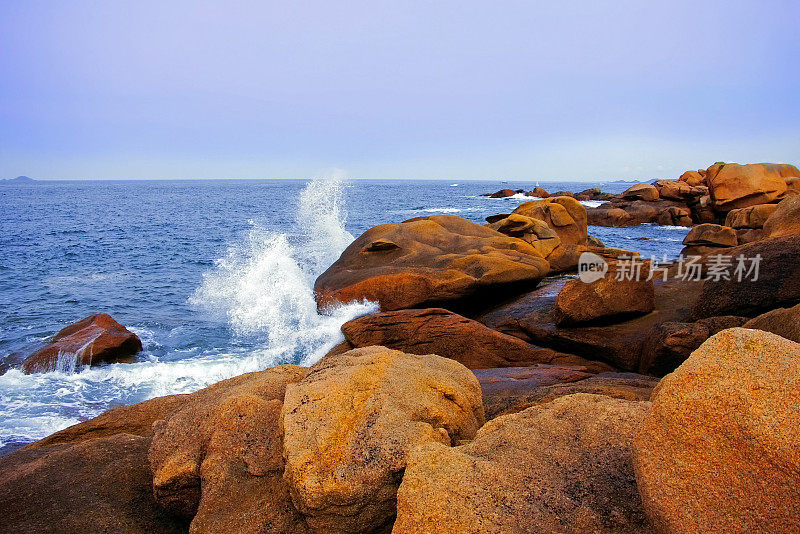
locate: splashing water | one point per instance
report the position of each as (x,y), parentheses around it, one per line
(262,288)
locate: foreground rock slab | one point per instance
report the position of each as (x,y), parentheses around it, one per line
(438,331)
(564,466)
(91,341)
(350,424)
(720,449)
(427,260)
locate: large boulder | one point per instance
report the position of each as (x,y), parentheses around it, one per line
(91,341)
(565,215)
(534,231)
(604,299)
(218,459)
(785,219)
(537,192)
(610,216)
(428,260)
(713,235)
(737,186)
(673,189)
(646,192)
(91,485)
(693,178)
(750,217)
(748,291)
(513,389)
(438,331)
(350,424)
(503,193)
(720,449)
(784,322)
(564,466)
(675,216)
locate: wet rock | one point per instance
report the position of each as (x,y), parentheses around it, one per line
(351,422)
(513,389)
(91,341)
(565,215)
(607,298)
(438,259)
(564,466)
(646,192)
(735,186)
(438,331)
(719,451)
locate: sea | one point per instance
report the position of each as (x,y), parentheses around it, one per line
(214,276)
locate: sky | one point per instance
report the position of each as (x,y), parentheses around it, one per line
(514,90)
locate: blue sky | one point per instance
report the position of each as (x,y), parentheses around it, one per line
(435,89)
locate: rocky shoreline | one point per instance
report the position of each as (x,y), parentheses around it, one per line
(492,392)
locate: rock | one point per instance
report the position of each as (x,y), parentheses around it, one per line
(711,235)
(351,422)
(565,215)
(537,192)
(675,216)
(738,186)
(438,331)
(749,235)
(719,450)
(610,217)
(503,193)
(645,192)
(792,186)
(438,259)
(513,389)
(778,282)
(784,322)
(592,241)
(533,231)
(218,459)
(692,178)
(531,318)
(563,194)
(94,485)
(564,466)
(750,217)
(673,189)
(91,341)
(785,219)
(606,298)
(670,344)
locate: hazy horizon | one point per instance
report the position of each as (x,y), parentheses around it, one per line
(516,91)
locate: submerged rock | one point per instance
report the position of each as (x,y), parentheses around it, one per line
(91,341)
(564,466)
(429,260)
(720,449)
(350,424)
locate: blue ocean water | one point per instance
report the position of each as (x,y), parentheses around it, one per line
(215,276)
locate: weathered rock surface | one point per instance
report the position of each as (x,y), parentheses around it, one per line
(675,216)
(610,216)
(533,231)
(713,235)
(784,322)
(565,215)
(693,178)
(606,299)
(646,192)
(777,284)
(750,217)
(785,219)
(91,341)
(441,332)
(91,485)
(218,459)
(538,192)
(564,466)
(720,449)
(513,389)
(735,186)
(531,317)
(429,260)
(350,424)
(673,189)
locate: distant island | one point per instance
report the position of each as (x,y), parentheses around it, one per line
(19,179)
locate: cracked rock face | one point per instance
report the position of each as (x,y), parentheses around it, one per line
(350,424)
